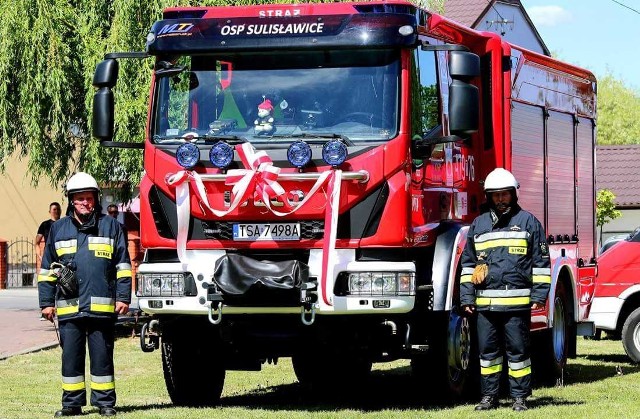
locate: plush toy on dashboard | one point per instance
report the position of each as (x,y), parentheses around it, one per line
(264,123)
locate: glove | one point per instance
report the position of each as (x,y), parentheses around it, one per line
(67,281)
(479,273)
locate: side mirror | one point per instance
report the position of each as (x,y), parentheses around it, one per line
(464,97)
(104,79)
(106,74)
(103,114)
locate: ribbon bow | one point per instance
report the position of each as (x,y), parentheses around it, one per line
(259,178)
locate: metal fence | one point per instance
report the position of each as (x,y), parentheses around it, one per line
(21,263)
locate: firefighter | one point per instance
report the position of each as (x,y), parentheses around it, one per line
(85,280)
(505,275)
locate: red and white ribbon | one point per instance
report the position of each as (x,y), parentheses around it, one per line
(259,178)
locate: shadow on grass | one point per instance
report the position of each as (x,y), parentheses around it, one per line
(578,372)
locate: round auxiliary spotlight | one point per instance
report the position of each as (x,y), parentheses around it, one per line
(188,155)
(299,154)
(334,152)
(221,155)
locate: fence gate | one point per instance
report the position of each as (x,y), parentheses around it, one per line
(21,263)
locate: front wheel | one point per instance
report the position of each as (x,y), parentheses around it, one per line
(192,376)
(631,335)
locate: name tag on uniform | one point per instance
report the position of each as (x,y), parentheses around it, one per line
(518,250)
(103,254)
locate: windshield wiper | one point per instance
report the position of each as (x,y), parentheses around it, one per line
(309,137)
(229,139)
(199,139)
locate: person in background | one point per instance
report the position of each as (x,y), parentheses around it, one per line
(112,210)
(85,280)
(505,274)
(45,226)
(43,232)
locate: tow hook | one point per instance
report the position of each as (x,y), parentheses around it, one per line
(215,308)
(308,298)
(150,331)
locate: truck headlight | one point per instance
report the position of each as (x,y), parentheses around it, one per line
(381,283)
(160,284)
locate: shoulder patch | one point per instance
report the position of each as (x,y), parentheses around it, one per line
(544,249)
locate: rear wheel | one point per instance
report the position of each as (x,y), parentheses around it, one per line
(551,347)
(631,335)
(192,375)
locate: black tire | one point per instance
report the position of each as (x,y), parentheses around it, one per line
(452,364)
(551,347)
(631,335)
(191,375)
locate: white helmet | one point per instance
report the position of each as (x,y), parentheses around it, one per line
(81,182)
(500,179)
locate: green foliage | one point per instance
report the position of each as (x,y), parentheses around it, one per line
(50,49)
(606,207)
(618,112)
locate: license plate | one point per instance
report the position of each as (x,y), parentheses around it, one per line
(266,231)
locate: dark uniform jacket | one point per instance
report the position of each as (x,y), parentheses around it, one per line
(514,248)
(98,253)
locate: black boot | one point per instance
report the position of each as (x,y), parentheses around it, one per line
(107,411)
(519,404)
(487,403)
(68,411)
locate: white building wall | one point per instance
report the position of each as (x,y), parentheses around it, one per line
(517,31)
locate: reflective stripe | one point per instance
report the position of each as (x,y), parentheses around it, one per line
(102,382)
(541,271)
(504,293)
(65,307)
(501,243)
(519,365)
(101,247)
(123,266)
(100,240)
(48,278)
(67,303)
(494,235)
(509,301)
(467,271)
(488,363)
(465,279)
(66,247)
(73,383)
(125,273)
(103,386)
(491,370)
(541,279)
(102,305)
(519,373)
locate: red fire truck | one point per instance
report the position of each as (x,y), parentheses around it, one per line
(310,172)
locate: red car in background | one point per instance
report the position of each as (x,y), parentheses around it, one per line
(616,304)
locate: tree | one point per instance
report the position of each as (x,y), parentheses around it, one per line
(50,49)
(618,112)
(605,208)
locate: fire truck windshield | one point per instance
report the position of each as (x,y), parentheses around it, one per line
(279,96)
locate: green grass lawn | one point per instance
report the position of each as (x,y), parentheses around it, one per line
(600,382)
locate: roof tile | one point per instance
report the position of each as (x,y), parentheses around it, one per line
(465,12)
(618,169)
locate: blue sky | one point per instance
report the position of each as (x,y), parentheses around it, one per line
(600,35)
